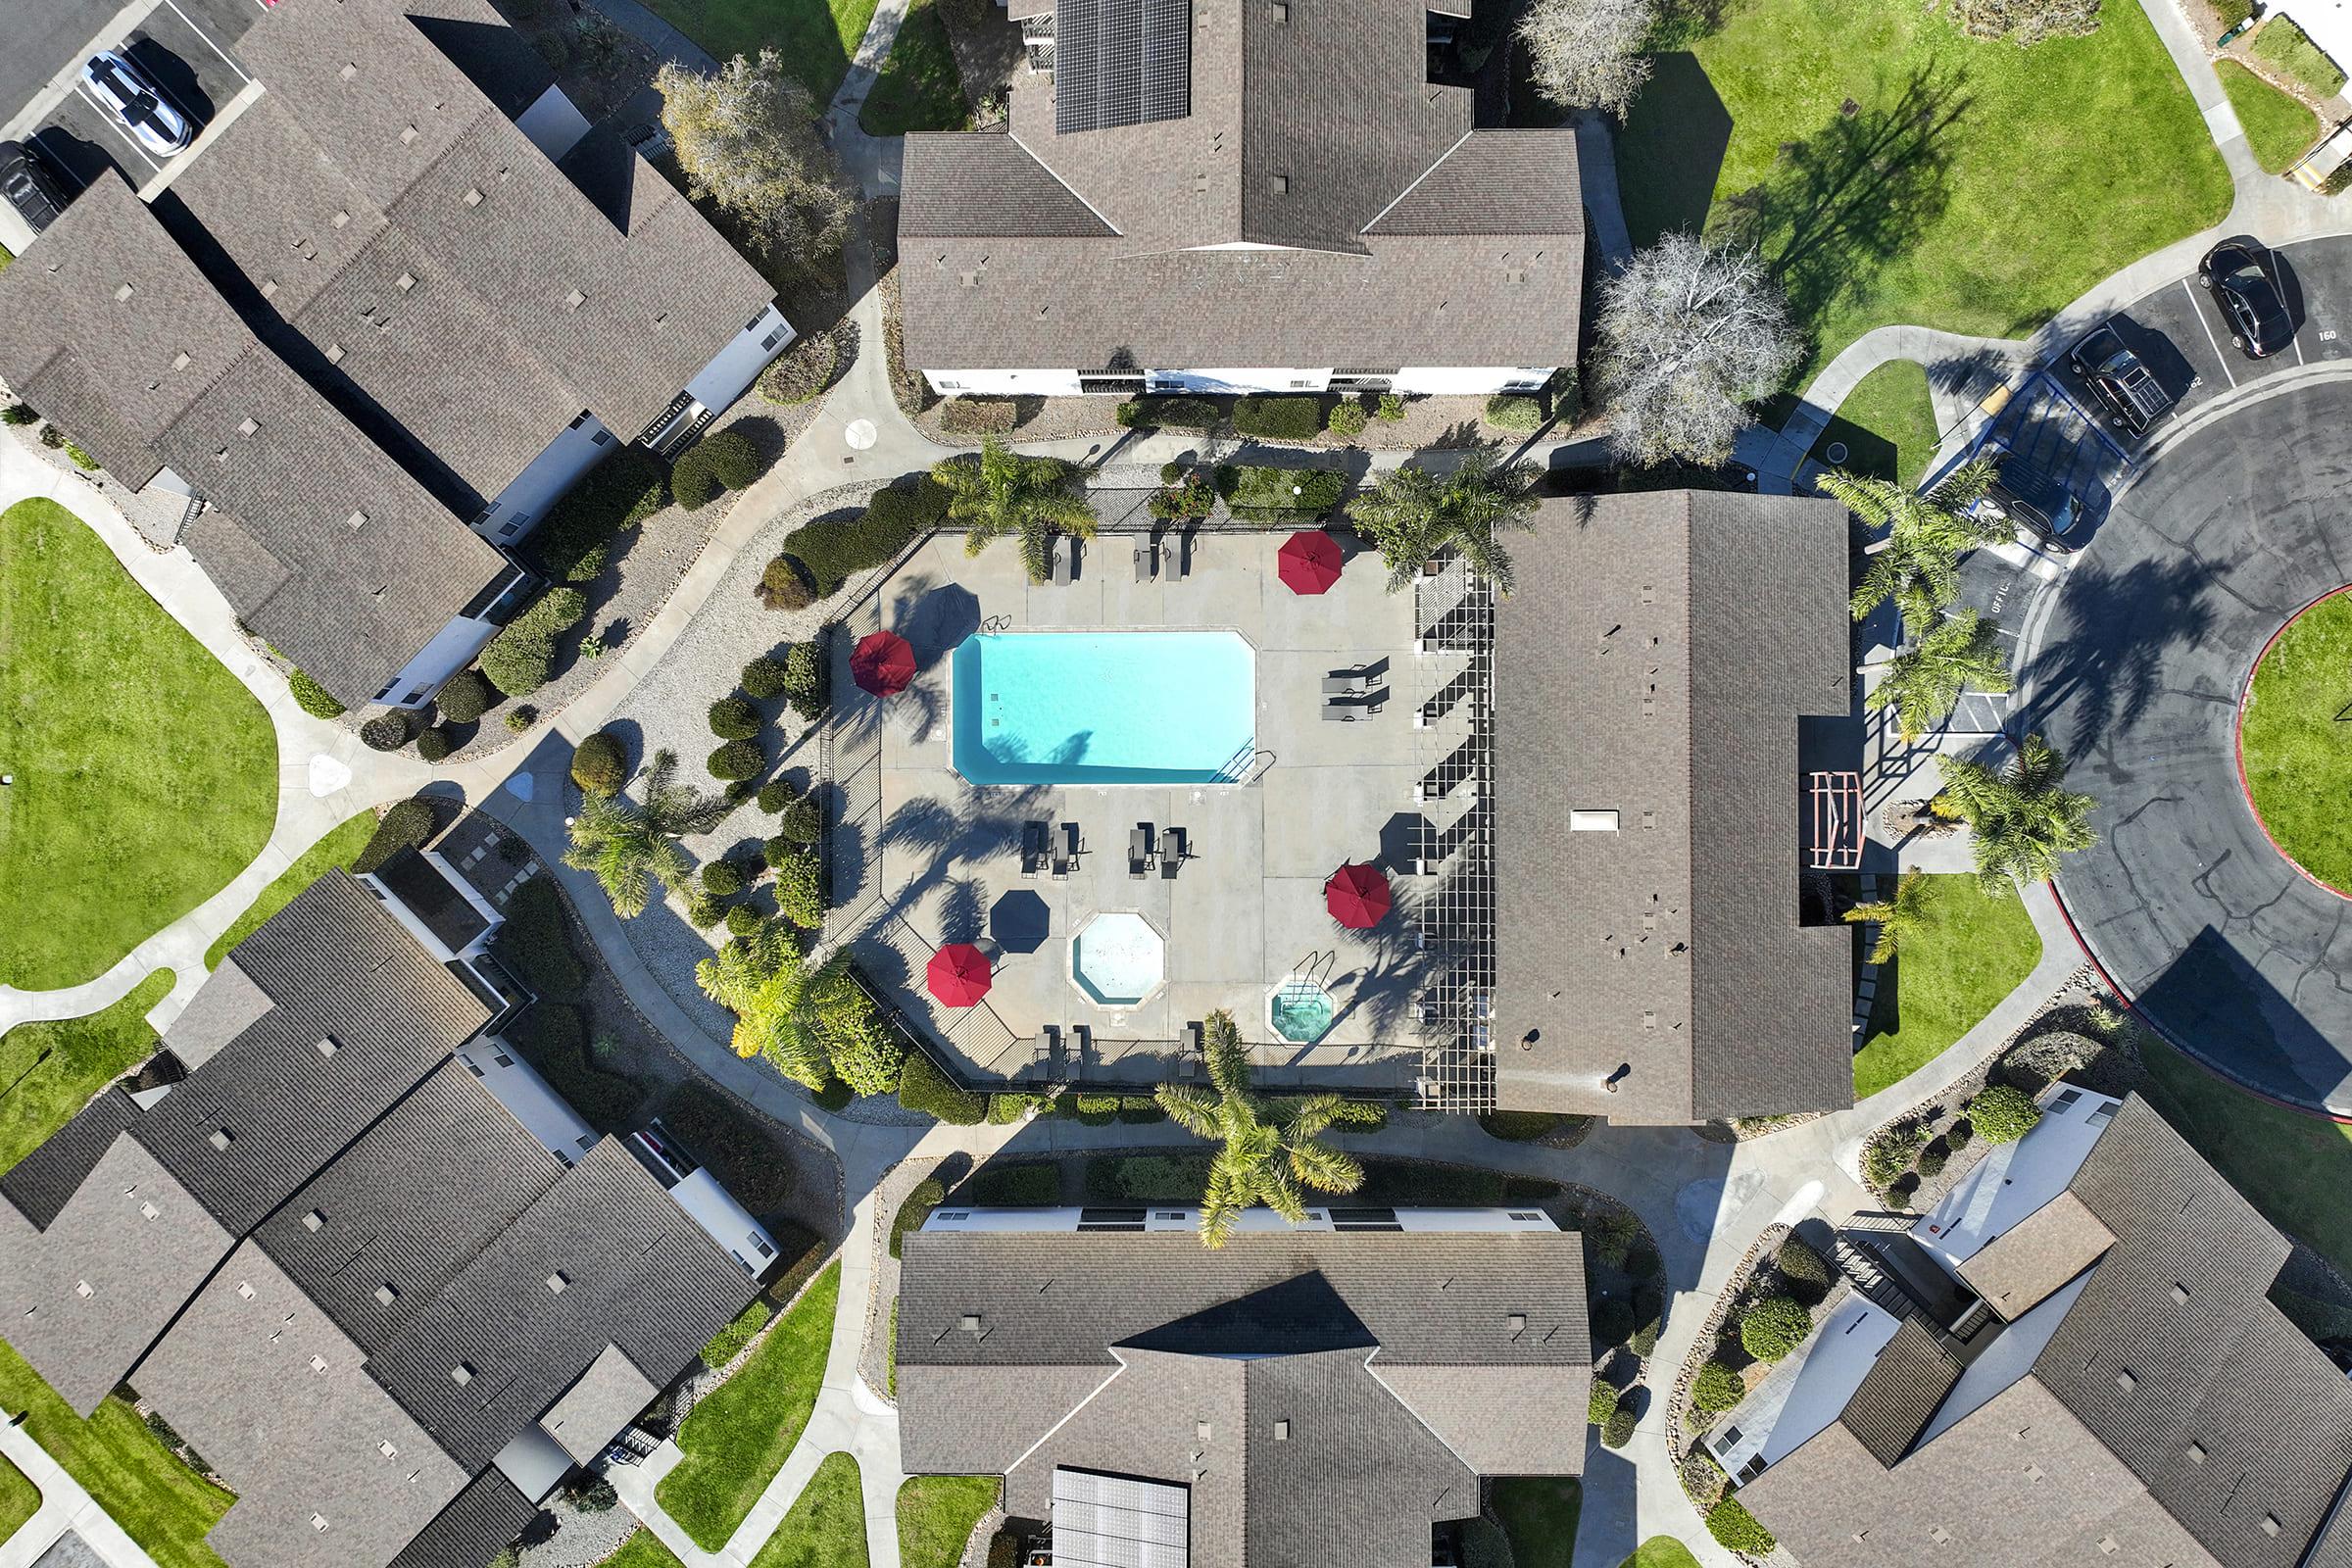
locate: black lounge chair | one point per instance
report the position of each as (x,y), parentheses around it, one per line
(1147,562)
(1139,850)
(1065,564)
(1174,847)
(1033,848)
(1345,683)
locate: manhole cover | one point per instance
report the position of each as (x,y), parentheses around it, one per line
(1835,452)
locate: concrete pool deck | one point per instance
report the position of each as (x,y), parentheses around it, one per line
(920,857)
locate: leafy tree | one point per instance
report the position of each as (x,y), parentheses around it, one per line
(1265,1158)
(762,979)
(746,139)
(1927,534)
(1923,685)
(2022,817)
(1589,54)
(1006,493)
(629,846)
(2027,22)
(1897,917)
(1690,334)
(1415,514)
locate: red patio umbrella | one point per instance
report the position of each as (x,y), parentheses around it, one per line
(1357,897)
(958,975)
(1311,562)
(882,662)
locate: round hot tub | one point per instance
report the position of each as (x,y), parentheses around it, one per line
(1300,1010)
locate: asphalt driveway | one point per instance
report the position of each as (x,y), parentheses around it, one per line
(2135,676)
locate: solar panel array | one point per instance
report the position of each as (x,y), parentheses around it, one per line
(1122,62)
(1104,1521)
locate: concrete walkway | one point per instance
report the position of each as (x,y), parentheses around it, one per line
(65,1506)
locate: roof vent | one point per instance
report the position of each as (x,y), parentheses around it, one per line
(969,1323)
(2109,1546)
(407,135)
(318,1521)
(1939,1534)
(1518,1321)
(1515,274)
(222,1138)
(472,196)
(122,293)
(149,1209)
(2270,1524)
(1282,1432)
(328,1046)
(179,360)
(313,1220)
(2033,1472)
(386,1294)
(356,521)
(244,1290)
(317,1363)
(1282,14)
(2126,1381)
(556,1281)
(462,1374)
(82,1287)
(387,1451)
(349,69)
(575,300)
(340,220)
(268,287)
(1592,821)
(2180,1294)
(246,425)
(1282,184)
(1204,1431)
(405,281)
(2197,1453)
(334,354)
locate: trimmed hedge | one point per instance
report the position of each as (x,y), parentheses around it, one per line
(734,720)
(927,1195)
(465,696)
(743,921)
(406,826)
(575,544)
(728,1343)
(737,1148)
(1774,1327)
(386,732)
(1716,1388)
(1733,1527)
(782,586)
(802,821)
(801,371)
(534,944)
(554,1037)
(735,760)
(2003,1114)
(725,460)
(312,698)
(1800,1263)
(435,743)
(599,766)
(1603,1403)
(804,680)
(520,718)
(831,553)
(1517,1126)
(1611,1320)
(1348,419)
(1618,1430)
(925,1090)
(1513,412)
(1024,1185)
(777,795)
(1279,419)
(1169,414)
(522,656)
(722,879)
(763,678)
(800,888)
(1259,494)
(978,417)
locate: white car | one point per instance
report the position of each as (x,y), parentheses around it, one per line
(127,93)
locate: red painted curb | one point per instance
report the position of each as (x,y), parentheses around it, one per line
(2237,738)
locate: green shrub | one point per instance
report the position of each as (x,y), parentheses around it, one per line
(692,484)
(1361,1115)
(406,826)
(522,656)
(763,678)
(1612,1321)
(1169,414)
(783,586)
(732,456)
(599,766)
(388,731)
(1348,419)
(1932,1161)
(1261,494)
(522,716)
(1025,1185)
(1003,1550)
(465,696)
(734,720)
(554,1039)
(1279,419)
(536,944)
(19,413)
(1612,1233)
(1642,1261)
(728,1343)
(1643,1341)
(1567,395)
(804,680)
(2003,1114)
(831,553)
(80,460)
(1006,1110)
(2232,13)
(743,921)
(702,911)
(801,371)
(1958,1136)
(52,437)
(309,696)
(1192,498)
(1508,411)
(1801,1264)
(2280,42)
(1603,1403)
(1888,1156)
(802,821)
(1517,1126)
(777,795)
(1738,1530)
(1389,408)
(736,760)
(1148,1178)
(927,1195)
(737,1147)
(800,889)
(575,544)
(722,879)
(1094,1110)
(777,850)
(435,743)
(977,417)
(1716,1387)
(1774,1327)
(1619,1431)
(1171,471)
(925,1090)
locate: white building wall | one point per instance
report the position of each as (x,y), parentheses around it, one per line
(1240,379)
(528,1098)
(726,1221)
(1432,380)
(451,649)
(1421,380)
(1003,383)
(545,479)
(733,369)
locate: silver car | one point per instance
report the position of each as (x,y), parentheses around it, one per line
(130,97)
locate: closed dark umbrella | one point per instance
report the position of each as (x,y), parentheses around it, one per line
(882,662)
(1357,897)
(958,975)
(1311,562)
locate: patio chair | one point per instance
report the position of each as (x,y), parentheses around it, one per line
(1342,712)
(1071,845)
(1147,562)
(1174,847)
(1139,850)
(1063,569)
(1183,552)
(1189,1064)
(1345,682)
(1033,848)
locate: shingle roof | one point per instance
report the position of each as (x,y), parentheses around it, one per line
(2016,1271)
(606,1398)
(1653,660)
(1502,1420)
(1495,183)
(40,1183)
(1900,1392)
(473,1528)
(225,1006)
(982,184)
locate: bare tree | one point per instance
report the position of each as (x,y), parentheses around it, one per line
(1690,334)
(747,140)
(2027,22)
(1589,54)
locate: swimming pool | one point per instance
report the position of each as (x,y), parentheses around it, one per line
(1104,708)
(1117,958)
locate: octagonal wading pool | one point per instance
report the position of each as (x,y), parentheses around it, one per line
(1117,960)
(1300,1010)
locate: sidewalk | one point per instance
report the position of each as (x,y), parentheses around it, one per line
(65,1506)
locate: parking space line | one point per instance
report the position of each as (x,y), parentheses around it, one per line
(207,40)
(2198,312)
(112,124)
(2297,341)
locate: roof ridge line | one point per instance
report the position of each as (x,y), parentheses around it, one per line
(1373,221)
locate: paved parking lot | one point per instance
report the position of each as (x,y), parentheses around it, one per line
(186,47)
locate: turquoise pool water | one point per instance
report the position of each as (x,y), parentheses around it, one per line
(1302,1012)
(1104,708)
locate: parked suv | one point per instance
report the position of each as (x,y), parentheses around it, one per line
(130,96)
(2244,279)
(2129,391)
(2045,515)
(29,187)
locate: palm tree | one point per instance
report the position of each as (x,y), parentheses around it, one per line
(759,977)
(1927,534)
(629,846)
(1006,493)
(2023,815)
(1923,685)
(1267,1153)
(1898,918)
(1415,514)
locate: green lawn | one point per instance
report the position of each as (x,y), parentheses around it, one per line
(936,1515)
(1887,424)
(2280,127)
(20,1499)
(1974,950)
(338,848)
(48,1072)
(146,776)
(919,88)
(827,1527)
(1539,1515)
(738,1437)
(2292,747)
(1976,186)
(890,1367)
(2292,1167)
(1660,1551)
(2281,43)
(165,1505)
(643,1549)
(815,37)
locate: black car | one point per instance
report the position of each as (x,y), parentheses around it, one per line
(28,187)
(2244,279)
(2129,391)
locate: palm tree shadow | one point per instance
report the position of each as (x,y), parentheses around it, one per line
(2100,658)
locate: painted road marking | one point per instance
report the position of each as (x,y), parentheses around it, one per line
(122,131)
(2198,311)
(208,41)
